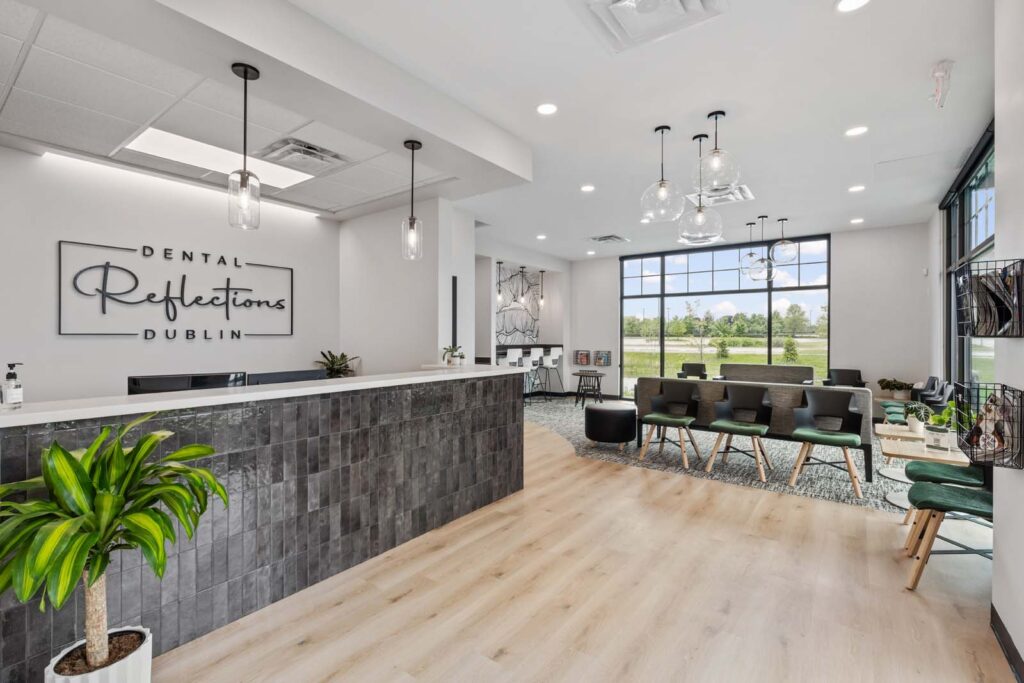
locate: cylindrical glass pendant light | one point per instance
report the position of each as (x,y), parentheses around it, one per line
(243,185)
(662,201)
(542,288)
(717,173)
(763,269)
(784,251)
(522,284)
(412,227)
(702,225)
(749,257)
(497,284)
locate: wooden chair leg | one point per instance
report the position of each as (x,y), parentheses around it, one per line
(798,465)
(757,459)
(807,456)
(764,453)
(664,435)
(714,452)
(622,447)
(854,477)
(906,517)
(924,551)
(682,448)
(647,441)
(693,442)
(916,532)
(728,445)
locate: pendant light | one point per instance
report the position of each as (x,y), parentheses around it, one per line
(243,185)
(662,201)
(784,251)
(522,284)
(763,269)
(412,227)
(717,172)
(497,284)
(702,225)
(749,258)
(542,288)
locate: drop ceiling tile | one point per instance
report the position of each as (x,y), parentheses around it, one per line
(399,165)
(227,99)
(328,193)
(130,156)
(47,120)
(306,199)
(80,44)
(191,120)
(9,49)
(49,74)
(16,19)
(349,146)
(368,179)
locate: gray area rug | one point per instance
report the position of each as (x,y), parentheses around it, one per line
(817,481)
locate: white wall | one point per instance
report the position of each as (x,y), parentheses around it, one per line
(881,311)
(485,303)
(1007,578)
(457,258)
(595,316)
(50,198)
(936,285)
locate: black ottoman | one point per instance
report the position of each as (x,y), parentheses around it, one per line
(611,422)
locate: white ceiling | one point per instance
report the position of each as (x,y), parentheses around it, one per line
(793,75)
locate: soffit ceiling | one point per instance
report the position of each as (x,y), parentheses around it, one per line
(793,75)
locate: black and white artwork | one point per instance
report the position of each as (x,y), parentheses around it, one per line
(518,317)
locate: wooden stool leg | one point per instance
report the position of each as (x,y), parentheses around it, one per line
(854,479)
(647,441)
(728,445)
(906,517)
(924,551)
(682,448)
(798,465)
(917,532)
(757,459)
(714,452)
(693,442)
(807,456)
(764,453)
(664,435)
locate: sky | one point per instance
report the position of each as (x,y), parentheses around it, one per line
(722,305)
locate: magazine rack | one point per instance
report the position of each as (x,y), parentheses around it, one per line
(989,418)
(989,299)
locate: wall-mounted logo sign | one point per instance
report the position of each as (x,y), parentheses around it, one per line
(167,293)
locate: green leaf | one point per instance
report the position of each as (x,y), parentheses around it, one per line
(50,543)
(146,529)
(151,494)
(33,484)
(93,449)
(6,576)
(25,585)
(60,584)
(138,456)
(135,423)
(68,482)
(116,467)
(181,510)
(165,523)
(190,452)
(106,506)
(21,534)
(101,560)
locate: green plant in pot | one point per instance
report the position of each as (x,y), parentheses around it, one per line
(337,365)
(900,389)
(451,354)
(61,528)
(917,415)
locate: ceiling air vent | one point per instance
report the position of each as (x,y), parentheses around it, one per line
(302,156)
(742,193)
(622,24)
(609,239)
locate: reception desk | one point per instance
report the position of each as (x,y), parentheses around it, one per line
(322,475)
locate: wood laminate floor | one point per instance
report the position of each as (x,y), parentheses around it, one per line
(603,572)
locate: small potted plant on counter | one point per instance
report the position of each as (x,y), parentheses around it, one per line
(59,529)
(941,430)
(900,389)
(450,354)
(337,365)
(917,415)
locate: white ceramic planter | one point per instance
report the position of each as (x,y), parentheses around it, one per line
(915,425)
(901,395)
(135,668)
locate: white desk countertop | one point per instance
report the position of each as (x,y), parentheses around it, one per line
(89,408)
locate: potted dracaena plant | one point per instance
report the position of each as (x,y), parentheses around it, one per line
(451,354)
(337,365)
(59,529)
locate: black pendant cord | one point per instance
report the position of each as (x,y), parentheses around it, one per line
(662,156)
(412,184)
(782,226)
(245,123)
(750,233)
(700,138)
(762,219)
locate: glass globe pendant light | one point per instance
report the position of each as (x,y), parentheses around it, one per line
(748,258)
(784,251)
(243,185)
(703,225)
(717,173)
(763,269)
(662,201)
(412,227)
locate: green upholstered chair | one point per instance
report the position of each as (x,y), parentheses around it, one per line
(825,419)
(892,404)
(746,411)
(675,408)
(933,503)
(942,473)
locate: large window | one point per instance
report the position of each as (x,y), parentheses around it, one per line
(970,208)
(698,306)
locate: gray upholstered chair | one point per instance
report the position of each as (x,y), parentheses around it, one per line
(839,377)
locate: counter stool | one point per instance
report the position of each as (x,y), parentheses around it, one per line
(971,476)
(675,408)
(532,362)
(753,401)
(551,363)
(819,407)
(933,503)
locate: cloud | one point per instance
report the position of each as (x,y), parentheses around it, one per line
(812,248)
(723,309)
(780,305)
(785,279)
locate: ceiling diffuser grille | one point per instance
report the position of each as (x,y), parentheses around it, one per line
(609,239)
(741,193)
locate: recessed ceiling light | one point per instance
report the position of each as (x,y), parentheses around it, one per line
(850,5)
(856,221)
(184,150)
(645,220)
(542,237)
(591,253)
(546,109)
(587,188)
(858,188)
(856,131)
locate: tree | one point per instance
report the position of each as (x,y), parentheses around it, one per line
(796,321)
(692,312)
(790,354)
(722,347)
(821,326)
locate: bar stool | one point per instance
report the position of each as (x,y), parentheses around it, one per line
(533,362)
(551,362)
(512,357)
(753,401)
(676,407)
(933,503)
(819,407)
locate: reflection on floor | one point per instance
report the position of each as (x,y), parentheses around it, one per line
(599,572)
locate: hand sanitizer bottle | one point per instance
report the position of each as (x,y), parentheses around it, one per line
(13,392)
